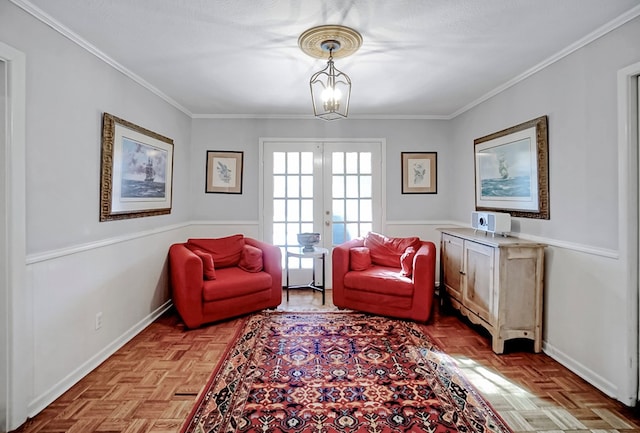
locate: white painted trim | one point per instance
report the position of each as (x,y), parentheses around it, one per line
(628,215)
(422,223)
(581,248)
(383,181)
(75,249)
(253,116)
(47,19)
(261,141)
(310,117)
(20,355)
(223,223)
(54,254)
(589,375)
(42,401)
(322,140)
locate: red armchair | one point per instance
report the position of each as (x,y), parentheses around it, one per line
(216,279)
(385,276)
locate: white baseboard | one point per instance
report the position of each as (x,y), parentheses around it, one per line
(42,401)
(589,375)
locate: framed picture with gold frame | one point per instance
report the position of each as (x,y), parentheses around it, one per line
(512,170)
(419,172)
(136,171)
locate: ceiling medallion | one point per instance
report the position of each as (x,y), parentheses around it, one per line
(311,41)
(330,88)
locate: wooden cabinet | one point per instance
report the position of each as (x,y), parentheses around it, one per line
(497,282)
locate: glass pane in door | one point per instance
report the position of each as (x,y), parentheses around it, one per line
(293,206)
(352,195)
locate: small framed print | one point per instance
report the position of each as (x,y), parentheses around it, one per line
(419,172)
(224,172)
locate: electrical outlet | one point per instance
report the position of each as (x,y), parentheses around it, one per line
(98,320)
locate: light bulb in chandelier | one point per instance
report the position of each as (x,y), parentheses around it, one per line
(331,98)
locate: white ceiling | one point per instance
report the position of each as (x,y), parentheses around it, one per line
(419,58)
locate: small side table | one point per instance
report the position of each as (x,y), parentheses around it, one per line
(317,253)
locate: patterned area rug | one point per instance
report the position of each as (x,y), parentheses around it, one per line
(338,372)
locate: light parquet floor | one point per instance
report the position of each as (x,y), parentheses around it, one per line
(151,384)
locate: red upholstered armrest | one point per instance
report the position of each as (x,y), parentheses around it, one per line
(340,266)
(271,260)
(186,283)
(424,271)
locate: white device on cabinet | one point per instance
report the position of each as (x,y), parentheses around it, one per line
(491,222)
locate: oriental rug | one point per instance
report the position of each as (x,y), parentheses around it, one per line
(338,372)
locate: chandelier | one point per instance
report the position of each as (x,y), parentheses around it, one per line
(330,87)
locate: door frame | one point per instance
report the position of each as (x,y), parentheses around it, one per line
(13,285)
(629,218)
(383,172)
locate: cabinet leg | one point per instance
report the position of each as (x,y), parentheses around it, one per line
(537,345)
(497,344)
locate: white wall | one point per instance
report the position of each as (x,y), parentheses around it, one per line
(77,266)
(586,325)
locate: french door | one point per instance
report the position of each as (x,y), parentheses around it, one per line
(329,187)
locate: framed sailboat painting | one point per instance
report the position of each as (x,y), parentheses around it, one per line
(137,171)
(511,170)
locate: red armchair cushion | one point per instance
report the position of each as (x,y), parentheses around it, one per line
(381,280)
(388,251)
(251,259)
(225,251)
(233,282)
(359,258)
(208,268)
(406,261)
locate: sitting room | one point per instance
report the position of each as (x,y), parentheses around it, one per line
(491,147)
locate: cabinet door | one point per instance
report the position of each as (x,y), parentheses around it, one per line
(478,288)
(452,264)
